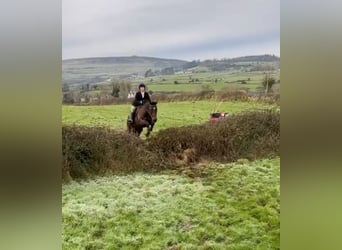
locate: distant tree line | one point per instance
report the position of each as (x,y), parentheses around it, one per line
(192,64)
(120,88)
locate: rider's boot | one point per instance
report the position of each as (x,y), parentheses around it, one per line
(130,117)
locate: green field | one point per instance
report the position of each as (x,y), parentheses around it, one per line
(228,206)
(171,114)
(208,205)
(232,206)
(187,87)
(214,80)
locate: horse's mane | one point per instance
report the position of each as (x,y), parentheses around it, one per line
(146,104)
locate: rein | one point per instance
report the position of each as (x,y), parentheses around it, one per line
(147,111)
(149,114)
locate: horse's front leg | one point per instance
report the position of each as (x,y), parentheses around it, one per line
(149,128)
(138,131)
(144,123)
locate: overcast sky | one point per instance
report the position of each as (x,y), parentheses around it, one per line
(181,29)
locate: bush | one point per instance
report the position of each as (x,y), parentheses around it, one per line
(249,135)
(93,151)
(89,151)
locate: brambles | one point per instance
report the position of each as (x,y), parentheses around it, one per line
(250,135)
(89,151)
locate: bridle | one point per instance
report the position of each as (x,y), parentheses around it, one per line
(149,113)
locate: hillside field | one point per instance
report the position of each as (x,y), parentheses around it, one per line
(232,206)
(214,80)
(170,114)
(197,81)
(76,72)
(95,70)
(222,206)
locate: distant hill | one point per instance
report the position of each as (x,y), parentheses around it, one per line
(94,70)
(101,69)
(247,63)
(260,58)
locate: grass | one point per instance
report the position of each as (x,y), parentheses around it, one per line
(216,80)
(174,114)
(232,206)
(188,87)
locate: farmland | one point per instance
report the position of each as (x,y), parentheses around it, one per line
(232,206)
(100,70)
(169,192)
(197,81)
(224,206)
(172,114)
(214,80)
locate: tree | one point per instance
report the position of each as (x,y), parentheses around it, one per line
(68,98)
(115,90)
(125,88)
(191,64)
(168,71)
(120,88)
(149,73)
(65,87)
(85,88)
(268,82)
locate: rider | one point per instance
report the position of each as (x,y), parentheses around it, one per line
(140,97)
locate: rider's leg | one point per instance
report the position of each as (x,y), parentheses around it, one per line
(130,118)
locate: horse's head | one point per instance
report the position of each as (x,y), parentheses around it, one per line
(152,111)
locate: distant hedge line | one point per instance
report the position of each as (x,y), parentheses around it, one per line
(223,95)
(95,151)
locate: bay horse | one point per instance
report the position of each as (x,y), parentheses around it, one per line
(145,117)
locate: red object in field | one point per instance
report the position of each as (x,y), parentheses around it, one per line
(217,116)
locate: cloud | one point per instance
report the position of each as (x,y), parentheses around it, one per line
(185,29)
